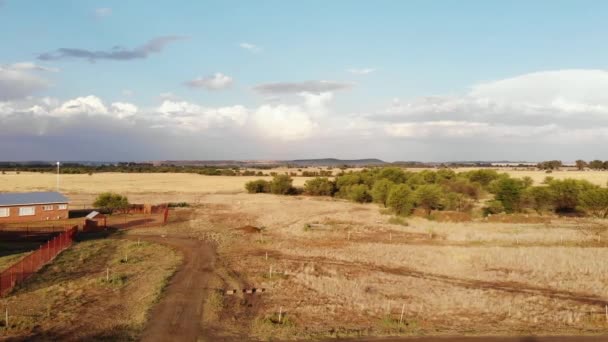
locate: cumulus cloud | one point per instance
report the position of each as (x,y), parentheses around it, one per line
(216,81)
(523,117)
(251,47)
(103,12)
(301,87)
(361,71)
(192,117)
(531,105)
(22,79)
(155,45)
(283,122)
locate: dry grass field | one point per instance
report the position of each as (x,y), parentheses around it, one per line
(342,269)
(335,269)
(72,299)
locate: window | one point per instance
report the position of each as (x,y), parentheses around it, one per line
(27,211)
(5,212)
(62,207)
(47,207)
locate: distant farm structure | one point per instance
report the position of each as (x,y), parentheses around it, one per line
(18,207)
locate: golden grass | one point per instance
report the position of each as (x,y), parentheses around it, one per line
(129,183)
(452,278)
(71,298)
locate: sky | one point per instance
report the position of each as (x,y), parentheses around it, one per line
(222,80)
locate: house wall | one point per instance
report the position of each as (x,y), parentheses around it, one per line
(40,213)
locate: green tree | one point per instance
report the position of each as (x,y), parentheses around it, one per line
(539,198)
(596,164)
(566,193)
(400,199)
(281,185)
(581,164)
(428,197)
(257,186)
(319,187)
(595,201)
(508,192)
(394,174)
(111,202)
(357,193)
(481,176)
(527,181)
(380,190)
(493,207)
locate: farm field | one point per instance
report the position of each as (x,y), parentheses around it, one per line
(193,184)
(99,289)
(343,270)
(330,268)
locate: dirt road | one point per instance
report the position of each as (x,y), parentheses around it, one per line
(179,314)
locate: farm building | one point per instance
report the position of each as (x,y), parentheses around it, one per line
(32,206)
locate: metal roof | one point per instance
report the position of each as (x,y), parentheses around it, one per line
(21,198)
(92,215)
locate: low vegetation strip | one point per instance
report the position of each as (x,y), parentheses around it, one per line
(484,192)
(33,262)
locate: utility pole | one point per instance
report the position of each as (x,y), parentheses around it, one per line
(58,163)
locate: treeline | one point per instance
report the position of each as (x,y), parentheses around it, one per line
(404,191)
(70,168)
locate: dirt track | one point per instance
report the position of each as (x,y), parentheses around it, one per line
(178,315)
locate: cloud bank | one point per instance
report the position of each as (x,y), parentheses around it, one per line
(552,114)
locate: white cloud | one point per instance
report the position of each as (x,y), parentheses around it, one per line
(251,47)
(81,105)
(22,79)
(361,71)
(192,117)
(216,81)
(283,122)
(523,106)
(123,109)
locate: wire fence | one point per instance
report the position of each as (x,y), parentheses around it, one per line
(34,261)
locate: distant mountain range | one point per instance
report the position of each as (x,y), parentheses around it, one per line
(297,162)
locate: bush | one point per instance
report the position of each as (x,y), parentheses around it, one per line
(428,197)
(282,185)
(539,198)
(493,207)
(508,192)
(457,202)
(463,186)
(319,187)
(110,202)
(257,186)
(595,201)
(566,193)
(357,193)
(381,189)
(400,199)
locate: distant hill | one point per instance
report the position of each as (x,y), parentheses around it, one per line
(298,162)
(336,162)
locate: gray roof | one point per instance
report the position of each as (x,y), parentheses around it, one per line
(21,198)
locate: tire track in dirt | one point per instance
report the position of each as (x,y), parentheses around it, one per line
(510,287)
(178,316)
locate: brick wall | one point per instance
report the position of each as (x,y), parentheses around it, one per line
(40,213)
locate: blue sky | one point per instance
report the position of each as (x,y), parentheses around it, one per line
(398,80)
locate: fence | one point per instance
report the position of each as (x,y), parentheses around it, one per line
(137,220)
(33,262)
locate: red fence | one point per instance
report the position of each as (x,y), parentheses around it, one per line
(29,265)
